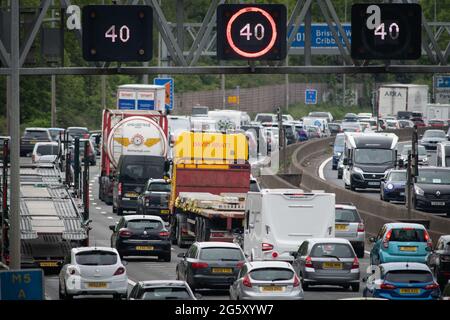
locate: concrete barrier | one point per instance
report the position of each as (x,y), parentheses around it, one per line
(305,160)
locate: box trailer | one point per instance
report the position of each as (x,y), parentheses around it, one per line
(401,97)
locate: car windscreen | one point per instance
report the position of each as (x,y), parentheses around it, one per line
(159,187)
(166,293)
(339,141)
(434,134)
(144,224)
(271,274)
(140,172)
(36,134)
(407,235)
(262,118)
(325,250)
(373,156)
(96,258)
(334,127)
(44,150)
(397,176)
(434,177)
(221,254)
(347,215)
(409,276)
(318,114)
(77,132)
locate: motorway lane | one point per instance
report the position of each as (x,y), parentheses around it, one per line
(139,269)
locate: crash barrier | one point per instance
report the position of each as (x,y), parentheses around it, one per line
(307,156)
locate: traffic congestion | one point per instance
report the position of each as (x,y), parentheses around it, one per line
(187,191)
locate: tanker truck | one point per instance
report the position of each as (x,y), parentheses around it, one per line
(129,134)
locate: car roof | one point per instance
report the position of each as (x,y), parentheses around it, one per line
(445,237)
(154,283)
(345,206)
(142,216)
(53,143)
(268,264)
(392,266)
(215,244)
(327,240)
(395,225)
(36,129)
(77,128)
(83,249)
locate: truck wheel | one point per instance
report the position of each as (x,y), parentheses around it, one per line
(352,187)
(180,243)
(206,229)
(355,287)
(173,231)
(167,257)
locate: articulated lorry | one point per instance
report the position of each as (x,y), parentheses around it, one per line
(210,180)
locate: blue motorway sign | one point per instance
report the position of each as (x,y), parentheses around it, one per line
(321,36)
(22,285)
(169,84)
(310,96)
(442,81)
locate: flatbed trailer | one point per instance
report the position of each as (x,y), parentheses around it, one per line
(208,217)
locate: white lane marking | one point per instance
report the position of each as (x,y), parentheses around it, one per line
(131,282)
(368,252)
(90,184)
(322,166)
(94,203)
(98,208)
(110,218)
(103,212)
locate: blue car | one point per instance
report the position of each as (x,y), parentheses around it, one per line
(338,149)
(400,242)
(402,281)
(392,187)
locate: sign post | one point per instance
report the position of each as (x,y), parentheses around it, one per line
(310,96)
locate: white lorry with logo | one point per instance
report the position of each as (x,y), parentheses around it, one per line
(277,221)
(402,97)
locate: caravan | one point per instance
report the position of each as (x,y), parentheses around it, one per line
(278,220)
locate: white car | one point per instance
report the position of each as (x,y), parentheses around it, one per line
(45,152)
(93,271)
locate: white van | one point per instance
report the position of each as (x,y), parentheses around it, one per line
(230,119)
(322,123)
(277,221)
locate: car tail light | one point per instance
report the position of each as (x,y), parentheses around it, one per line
(217,234)
(246,281)
(386,239)
(266,246)
(240,264)
(199,265)
(308,262)
(124,233)
(355,264)
(361,227)
(296,281)
(164,234)
(432,286)
(387,286)
(428,239)
(119,271)
(119,189)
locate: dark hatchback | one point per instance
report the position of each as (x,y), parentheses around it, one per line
(155,199)
(432,190)
(212,265)
(32,136)
(439,261)
(141,235)
(393,186)
(131,176)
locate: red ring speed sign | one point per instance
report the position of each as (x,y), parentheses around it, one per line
(245,53)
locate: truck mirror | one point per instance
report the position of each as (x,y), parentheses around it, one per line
(345,161)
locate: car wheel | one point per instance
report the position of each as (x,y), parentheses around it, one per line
(167,257)
(346,286)
(119,211)
(339,176)
(355,287)
(117,296)
(114,209)
(67,296)
(61,294)
(360,251)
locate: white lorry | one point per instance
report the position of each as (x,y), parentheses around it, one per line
(141,97)
(438,111)
(401,97)
(277,221)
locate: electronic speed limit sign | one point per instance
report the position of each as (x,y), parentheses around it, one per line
(251,32)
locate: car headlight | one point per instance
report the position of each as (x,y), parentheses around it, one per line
(418,190)
(390,186)
(358,170)
(425,159)
(338,154)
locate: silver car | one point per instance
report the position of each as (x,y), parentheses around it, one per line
(271,280)
(327,261)
(93,271)
(162,290)
(350,226)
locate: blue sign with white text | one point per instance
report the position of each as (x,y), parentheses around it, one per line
(169,84)
(146,104)
(22,285)
(321,36)
(310,96)
(127,104)
(442,81)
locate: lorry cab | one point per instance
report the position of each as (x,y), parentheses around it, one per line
(443,154)
(133,172)
(367,158)
(277,221)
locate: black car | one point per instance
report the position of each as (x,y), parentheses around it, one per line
(432,190)
(30,137)
(439,261)
(141,235)
(350,117)
(155,199)
(212,265)
(133,172)
(161,290)
(335,128)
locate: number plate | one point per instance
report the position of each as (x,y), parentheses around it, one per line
(48,264)
(438,203)
(165,211)
(97,285)
(410,291)
(144,248)
(341,227)
(131,195)
(402,193)
(332,265)
(410,249)
(374,183)
(222,270)
(272,289)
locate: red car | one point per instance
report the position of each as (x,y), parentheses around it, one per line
(436,123)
